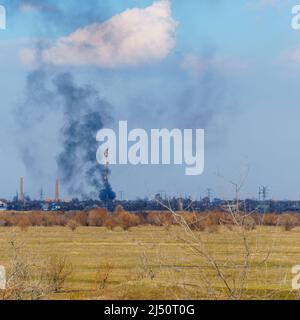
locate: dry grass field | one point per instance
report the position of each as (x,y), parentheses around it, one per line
(150,262)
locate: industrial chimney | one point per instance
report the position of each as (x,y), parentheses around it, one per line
(56,198)
(21,189)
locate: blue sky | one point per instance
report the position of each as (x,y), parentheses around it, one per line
(233,69)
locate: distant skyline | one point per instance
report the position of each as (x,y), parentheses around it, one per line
(231,69)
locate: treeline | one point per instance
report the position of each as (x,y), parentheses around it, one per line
(209,221)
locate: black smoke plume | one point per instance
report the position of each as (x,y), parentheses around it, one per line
(49,97)
(84,112)
(106,194)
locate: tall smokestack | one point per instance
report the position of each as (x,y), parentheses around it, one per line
(56,199)
(106,194)
(21,189)
(106,168)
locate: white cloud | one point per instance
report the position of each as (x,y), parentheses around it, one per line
(134,37)
(199,65)
(270,3)
(266,3)
(194,63)
(27,7)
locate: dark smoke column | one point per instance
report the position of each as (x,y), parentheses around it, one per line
(107,195)
(84,114)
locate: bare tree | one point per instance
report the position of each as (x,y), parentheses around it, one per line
(232,277)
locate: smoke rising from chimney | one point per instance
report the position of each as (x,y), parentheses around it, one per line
(84,114)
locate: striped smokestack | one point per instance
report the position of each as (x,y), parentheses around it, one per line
(56,198)
(21,189)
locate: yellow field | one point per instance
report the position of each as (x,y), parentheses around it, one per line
(155,263)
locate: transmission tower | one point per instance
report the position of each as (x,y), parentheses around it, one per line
(163,194)
(41,194)
(121,195)
(209,194)
(263,193)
